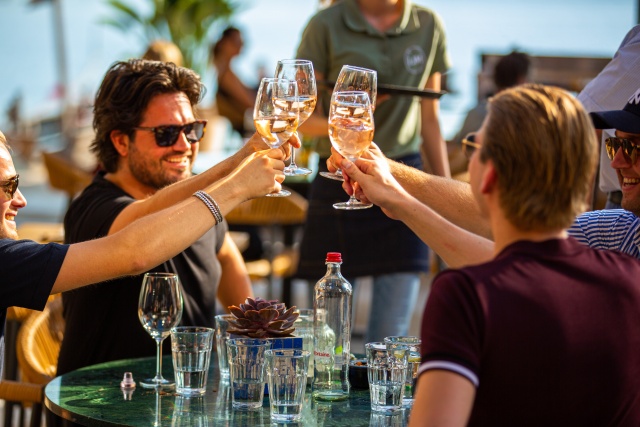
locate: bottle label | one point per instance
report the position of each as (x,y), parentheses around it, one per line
(321,354)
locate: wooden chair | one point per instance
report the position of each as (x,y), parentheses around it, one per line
(24,394)
(276,215)
(64,174)
(38,346)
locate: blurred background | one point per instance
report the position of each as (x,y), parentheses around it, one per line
(56,53)
(50,44)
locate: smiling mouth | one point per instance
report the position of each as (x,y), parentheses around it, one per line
(630,181)
(10,217)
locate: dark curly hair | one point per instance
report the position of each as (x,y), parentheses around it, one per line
(124,95)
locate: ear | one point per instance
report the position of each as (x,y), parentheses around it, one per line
(120,142)
(489,178)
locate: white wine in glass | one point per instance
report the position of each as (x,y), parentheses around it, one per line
(352,78)
(159,310)
(273,115)
(351,130)
(300,71)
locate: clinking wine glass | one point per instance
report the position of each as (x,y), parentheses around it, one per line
(274,116)
(352,78)
(300,71)
(159,310)
(351,132)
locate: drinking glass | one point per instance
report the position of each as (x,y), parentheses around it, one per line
(399,345)
(222,324)
(351,132)
(159,310)
(300,71)
(191,353)
(387,375)
(353,78)
(287,378)
(273,115)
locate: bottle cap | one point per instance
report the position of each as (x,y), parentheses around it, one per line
(127,381)
(334,257)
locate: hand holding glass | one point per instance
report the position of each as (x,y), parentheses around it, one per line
(359,79)
(300,71)
(351,132)
(159,310)
(273,115)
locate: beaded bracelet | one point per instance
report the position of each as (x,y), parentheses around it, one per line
(211,204)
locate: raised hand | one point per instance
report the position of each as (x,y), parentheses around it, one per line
(259,173)
(372,180)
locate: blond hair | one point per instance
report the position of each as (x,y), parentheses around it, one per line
(544,149)
(165,51)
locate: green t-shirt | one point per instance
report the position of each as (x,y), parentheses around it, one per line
(405,55)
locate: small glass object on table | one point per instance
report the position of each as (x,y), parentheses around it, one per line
(287,371)
(159,310)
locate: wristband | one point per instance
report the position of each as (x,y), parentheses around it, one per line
(211,204)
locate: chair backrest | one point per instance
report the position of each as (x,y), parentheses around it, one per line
(38,343)
(64,175)
(264,211)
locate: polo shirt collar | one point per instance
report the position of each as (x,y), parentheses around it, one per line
(354,20)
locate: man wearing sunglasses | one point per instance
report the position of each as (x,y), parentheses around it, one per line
(30,272)
(546,329)
(147,138)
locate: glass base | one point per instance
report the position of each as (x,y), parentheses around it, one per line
(334,176)
(296,171)
(157,383)
(352,205)
(281,193)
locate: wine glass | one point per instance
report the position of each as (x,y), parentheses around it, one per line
(351,131)
(274,116)
(159,310)
(300,71)
(352,78)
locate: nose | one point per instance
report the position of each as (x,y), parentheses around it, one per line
(620,160)
(182,144)
(19,201)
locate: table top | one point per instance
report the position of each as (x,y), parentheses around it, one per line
(91,396)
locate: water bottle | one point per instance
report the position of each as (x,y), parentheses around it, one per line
(332,333)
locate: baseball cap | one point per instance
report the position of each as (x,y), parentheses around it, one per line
(625,120)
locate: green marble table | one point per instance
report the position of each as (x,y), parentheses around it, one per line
(92,397)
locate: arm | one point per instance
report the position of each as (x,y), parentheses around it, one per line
(155,238)
(434,148)
(455,245)
(243,96)
(235,285)
(443,399)
(450,198)
(174,193)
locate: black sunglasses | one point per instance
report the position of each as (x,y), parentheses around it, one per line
(469,145)
(629,148)
(167,135)
(10,186)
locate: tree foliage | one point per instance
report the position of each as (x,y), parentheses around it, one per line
(187,23)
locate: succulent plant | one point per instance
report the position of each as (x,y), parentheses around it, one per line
(258,318)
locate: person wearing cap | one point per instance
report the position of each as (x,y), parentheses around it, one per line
(545,332)
(617,229)
(30,272)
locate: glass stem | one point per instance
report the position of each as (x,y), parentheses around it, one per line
(292,164)
(158,359)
